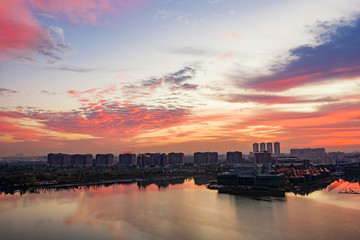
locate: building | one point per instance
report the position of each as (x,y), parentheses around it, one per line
(127,159)
(251,175)
(269,147)
(234,157)
(205,158)
(82,160)
(255,147)
(164,160)
(262,157)
(262,147)
(104,160)
(59,160)
(277,148)
(176,159)
(308,152)
(143,160)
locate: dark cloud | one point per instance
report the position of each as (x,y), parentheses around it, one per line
(338,57)
(181,76)
(5,91)
(273,99)
(48,92)
(73,69)
(188,86)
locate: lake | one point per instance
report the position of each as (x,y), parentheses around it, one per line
(180,209)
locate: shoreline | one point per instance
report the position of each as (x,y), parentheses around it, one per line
(151,180)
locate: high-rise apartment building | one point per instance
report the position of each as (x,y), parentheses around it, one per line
(127,159)
(255,147)
(234,157)
(104,160)
(269,147)
(176,159)
(205,158)
(262,147)
(276,148)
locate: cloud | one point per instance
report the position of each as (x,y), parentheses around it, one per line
(100,119)
(193,51)
(274,99)
(335,59)
(225,56)
(231,35)
(48,92)
(22,37)
(5,91)
(80,93)
(73,69)
(83,11)
(181,76)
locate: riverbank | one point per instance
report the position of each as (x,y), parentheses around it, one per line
(254,191)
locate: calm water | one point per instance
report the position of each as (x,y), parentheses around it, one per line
(179,211)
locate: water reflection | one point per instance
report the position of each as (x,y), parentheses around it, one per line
(174,209)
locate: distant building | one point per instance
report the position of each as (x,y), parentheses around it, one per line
(255,147)
(269,147)
(262,157)
(234,157)
(277,148)
(176,159)
(82,160)
(59,160)
(127,159)
(104,160)
(164,160)
(143,160)
(308,152)
(205,158)
(262,147)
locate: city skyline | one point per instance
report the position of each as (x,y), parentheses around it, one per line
(178,76)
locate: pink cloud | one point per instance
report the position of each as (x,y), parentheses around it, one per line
(226,56)
(231,35)
(21,34)
(79,93)
(83,11)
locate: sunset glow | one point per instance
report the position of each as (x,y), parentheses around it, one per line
(117,76)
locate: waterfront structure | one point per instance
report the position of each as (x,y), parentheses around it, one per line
(255,147)
(176,159)
(234,157)
(251,174)
(82,160)
(269,147)
(104,160)
(127,159)
(205,158)
(262,147)
(276,148)
(308,152)
(262,157)
(59,160)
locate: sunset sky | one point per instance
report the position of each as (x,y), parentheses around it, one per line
(98,76)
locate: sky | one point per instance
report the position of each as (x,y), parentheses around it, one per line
(99,76)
